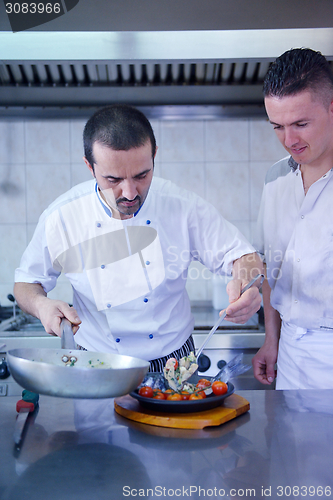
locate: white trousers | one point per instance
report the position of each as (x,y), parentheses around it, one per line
(305,358)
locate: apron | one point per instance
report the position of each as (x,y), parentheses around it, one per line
(305,358)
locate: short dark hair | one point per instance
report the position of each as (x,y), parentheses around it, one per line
(119,127)
(297,70)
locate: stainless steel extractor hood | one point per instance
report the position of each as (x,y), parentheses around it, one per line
(217,71)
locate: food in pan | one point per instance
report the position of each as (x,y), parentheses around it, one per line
(71,360)
(177,372)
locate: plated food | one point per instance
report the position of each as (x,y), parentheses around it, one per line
(177,372)
(196,395)
(189,392)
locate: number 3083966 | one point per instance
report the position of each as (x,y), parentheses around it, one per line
(33,8)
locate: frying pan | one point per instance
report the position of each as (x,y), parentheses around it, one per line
(71,373)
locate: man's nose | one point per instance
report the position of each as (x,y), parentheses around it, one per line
(290,138)
(129,190)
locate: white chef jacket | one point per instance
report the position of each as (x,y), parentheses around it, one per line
(295,236)
(129,276)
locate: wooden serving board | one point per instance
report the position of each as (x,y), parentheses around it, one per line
(232,407)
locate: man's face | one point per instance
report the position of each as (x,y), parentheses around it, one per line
(304,126)
(123,177)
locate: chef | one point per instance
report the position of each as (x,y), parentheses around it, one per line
(125,241)
(295,232)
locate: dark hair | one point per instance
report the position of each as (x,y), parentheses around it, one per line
(120,127)
(297,70)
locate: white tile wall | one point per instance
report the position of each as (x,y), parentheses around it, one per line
(224,161)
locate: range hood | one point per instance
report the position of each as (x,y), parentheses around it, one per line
(205,71)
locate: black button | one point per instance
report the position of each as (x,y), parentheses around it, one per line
(221,364)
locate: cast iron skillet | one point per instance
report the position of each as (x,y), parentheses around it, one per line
(162,405)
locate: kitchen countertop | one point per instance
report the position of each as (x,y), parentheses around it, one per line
(80,449)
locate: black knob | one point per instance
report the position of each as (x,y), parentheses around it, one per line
(4,372)
(11,297)
(221,364)
(203,363)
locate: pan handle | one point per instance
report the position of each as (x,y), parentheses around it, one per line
(67,337)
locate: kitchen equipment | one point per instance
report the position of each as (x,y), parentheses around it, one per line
(223,315)
(74,373)
(67,337)
(24,407)
(232,407)
(44,372)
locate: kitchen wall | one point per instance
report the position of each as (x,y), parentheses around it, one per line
(224,161)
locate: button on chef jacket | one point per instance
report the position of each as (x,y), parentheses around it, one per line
(129,276)
(295,236)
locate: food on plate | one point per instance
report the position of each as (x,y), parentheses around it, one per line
(159,395)
(185,395)
(190,392)
(155,381)
(177,372)
(146,392)
(219,388)
(203,383)
(195,396)
(174,385)
(175,396)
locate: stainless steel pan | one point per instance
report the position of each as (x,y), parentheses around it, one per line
(71,373)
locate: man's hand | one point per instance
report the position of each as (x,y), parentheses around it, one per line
(264,363)
(32,299)
(241,308)
(51,313)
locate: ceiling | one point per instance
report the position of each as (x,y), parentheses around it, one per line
(209,61)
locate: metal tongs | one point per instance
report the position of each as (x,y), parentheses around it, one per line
(221,318)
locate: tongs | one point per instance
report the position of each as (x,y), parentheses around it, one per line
(221,318)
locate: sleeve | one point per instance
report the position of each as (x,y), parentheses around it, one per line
(36,265)
(214,241)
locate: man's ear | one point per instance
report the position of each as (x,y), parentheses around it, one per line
(89,166)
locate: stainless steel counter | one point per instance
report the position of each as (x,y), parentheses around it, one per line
(81,449)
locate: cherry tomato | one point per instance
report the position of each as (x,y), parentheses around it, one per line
(203,383)
(195,396)
(169,391)
(159,395)
(146,392)
(174,397)
(185,395)
(202,394)
(219,388)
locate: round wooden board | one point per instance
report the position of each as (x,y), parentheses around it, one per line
(232,407)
